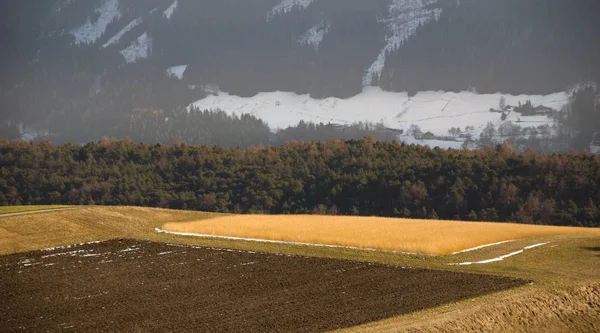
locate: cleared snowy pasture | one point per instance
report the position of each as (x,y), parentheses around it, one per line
(434,111)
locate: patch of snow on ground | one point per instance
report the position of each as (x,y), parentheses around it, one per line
(89,32)
(314,36)
(139,49)
(286,6)
(500,258)
(116,38)
(169,11)
(405,16)
(61,4)
(433,111)
(177,71)
(70,246)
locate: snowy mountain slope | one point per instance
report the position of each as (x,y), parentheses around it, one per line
(324,53)
(169,11)
(177,71)
(116,38)
(90,31)
(139,49)
(405,16)
(432,111)
(285,6)
(370,42)
(314,36)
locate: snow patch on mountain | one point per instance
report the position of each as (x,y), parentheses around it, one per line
(405,16)
(177,71)
(169,11)
(314,36)
(61,4)
(286,6)
(434,111)
(90,31)
(139,49)
(116,38)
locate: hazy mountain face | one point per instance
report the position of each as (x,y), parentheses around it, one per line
(71,65)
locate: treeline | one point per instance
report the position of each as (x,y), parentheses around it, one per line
(308,131)
(362,177)
(215,127)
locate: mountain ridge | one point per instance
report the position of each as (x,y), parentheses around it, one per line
(72,63)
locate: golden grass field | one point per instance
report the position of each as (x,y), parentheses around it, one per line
(415,236)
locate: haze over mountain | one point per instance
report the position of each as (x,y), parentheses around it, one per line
(81,69)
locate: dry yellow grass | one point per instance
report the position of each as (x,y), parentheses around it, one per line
(419,236)
(29,232)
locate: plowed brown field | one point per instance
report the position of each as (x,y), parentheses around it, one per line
(131,285)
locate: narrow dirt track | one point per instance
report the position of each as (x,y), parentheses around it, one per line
(34,212)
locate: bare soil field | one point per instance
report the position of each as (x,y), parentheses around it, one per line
(132,285)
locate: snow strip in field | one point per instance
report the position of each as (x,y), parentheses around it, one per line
(189,234)
(116,38)
(70,246)
(482,246)
(89,32)
(500,258)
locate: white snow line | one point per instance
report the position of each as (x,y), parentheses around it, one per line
(483,246)
(70,246)
(500,258)
(116,38)
(129,249)
(248,263)
(188,234)
(92,255)
(71,253)
(534,245)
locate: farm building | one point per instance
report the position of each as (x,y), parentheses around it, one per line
(428,136)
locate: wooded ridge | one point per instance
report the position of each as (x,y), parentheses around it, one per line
(358,177)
